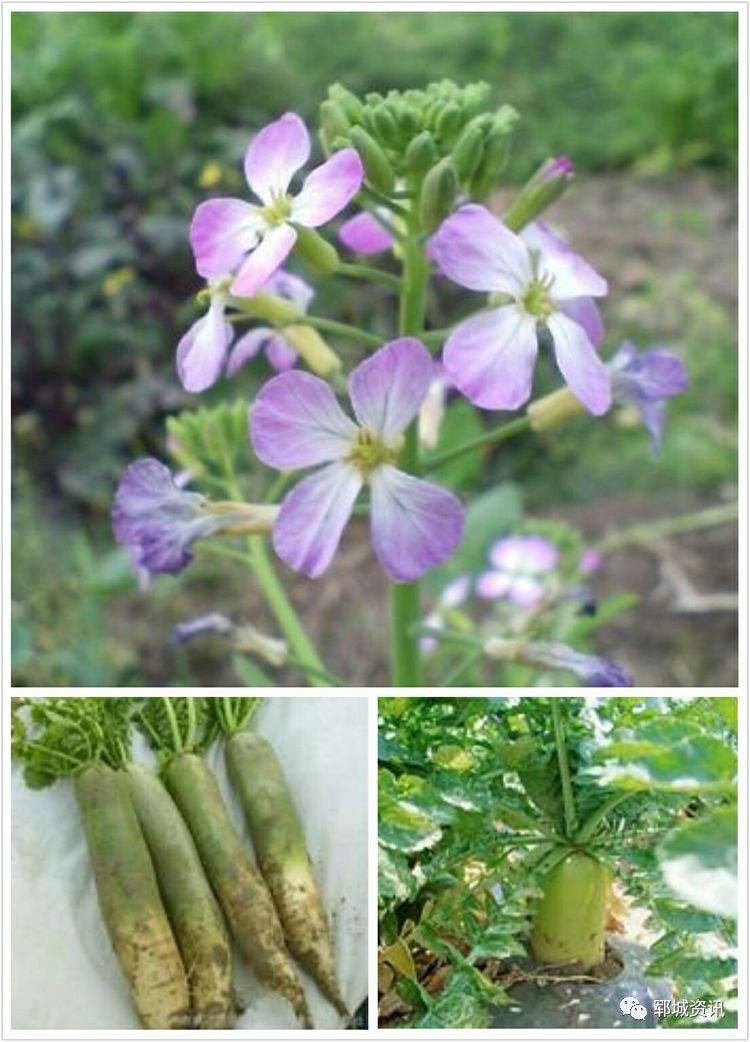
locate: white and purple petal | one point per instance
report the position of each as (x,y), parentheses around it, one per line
(264,261)
(291,287)
(388,388)
(296,422)
(415,524)
(313,516)
(275,155)
(583,370)
(280,353)
(524,553)
(573,276)
(247,347)
(328,189)
(364,233)
(474,248)
(222,231)
(202,351)
(584,311)
(491,356)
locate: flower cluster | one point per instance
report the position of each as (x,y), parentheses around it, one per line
(421,166)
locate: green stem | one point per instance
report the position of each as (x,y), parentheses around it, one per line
(364,271)
(592,823)
(329,680)
(276,596)
(405,600)
(383,200)
(343,329)
(569,806)
(472,657)
(648,531)
(493,437)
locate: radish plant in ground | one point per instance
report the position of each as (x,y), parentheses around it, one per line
(393,405)
(518,836)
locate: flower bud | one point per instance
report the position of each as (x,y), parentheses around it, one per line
(378,169)
(421,154)
(386,126)
(313,349)
(553,410)
(468,152)
(333,120)
(348,102)
(540,191)
(496,152)
(252,642)
(438,195)
(448,122)
(316,252)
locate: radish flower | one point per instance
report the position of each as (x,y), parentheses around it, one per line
(491,356)
(645,380)
(256,238)
(203,352)
(280,353)
(519,566)
(296,422)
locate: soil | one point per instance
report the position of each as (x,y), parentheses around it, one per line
(661,642)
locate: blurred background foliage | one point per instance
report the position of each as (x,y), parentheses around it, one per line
(123,121)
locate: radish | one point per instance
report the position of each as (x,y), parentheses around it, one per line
(571,916)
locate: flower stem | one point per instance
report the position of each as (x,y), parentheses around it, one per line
(492,437)
(569,806)
(364,271)
(352,332)
(405,600)
(384,200)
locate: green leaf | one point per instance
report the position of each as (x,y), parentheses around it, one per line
(682,917)
(699,862)
(668,755)
(396,880)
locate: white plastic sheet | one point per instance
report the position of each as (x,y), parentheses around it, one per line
(64,972)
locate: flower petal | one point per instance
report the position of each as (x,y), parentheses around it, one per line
(297,422)
(328,189)
(583,370)
(490,358)
(475,249)
(275,155)
(203,349)
(492,586)
(525,591)
(388,388)
(247,347)
(524,553)
(313,516)
(221,233)
(291,287)
(264,261)
(573,276)
(584,311)
(415,524)
(364,233)
(281,354)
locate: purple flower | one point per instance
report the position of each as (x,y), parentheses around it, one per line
(231,234)
(518,562)
(203,352)
(593,671)
(452,596)
(644,380)
(279,352)
(364,233)
(158,521)
(590,562)
(296,422)
(196,626)
(491,356)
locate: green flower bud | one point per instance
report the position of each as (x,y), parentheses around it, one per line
(545,186)
(378,169)
(448,122)
(348,102)
(316,252)
(421,154)
(496,152)
(268,307)
(468,151)
(386,126)
(438,195)
(333,120)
